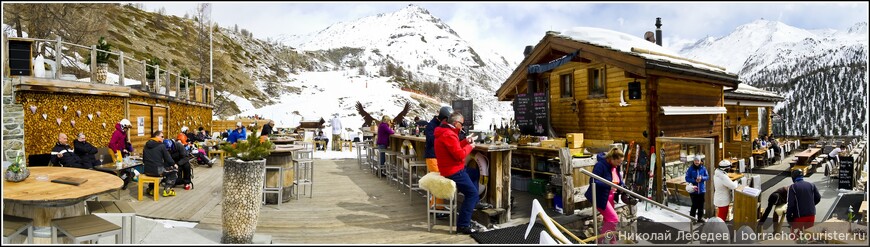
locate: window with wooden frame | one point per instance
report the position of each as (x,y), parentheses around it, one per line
(566,85)
(597,78)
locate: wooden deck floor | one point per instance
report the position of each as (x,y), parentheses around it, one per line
(349,206)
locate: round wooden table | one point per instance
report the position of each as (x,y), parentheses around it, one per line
(43,201)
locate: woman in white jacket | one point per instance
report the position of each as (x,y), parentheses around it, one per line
(723,187)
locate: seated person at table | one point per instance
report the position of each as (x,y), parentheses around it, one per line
(774,145)
(321,137)
(182,159)
(159,163)
(199,154)
(201,135)
(64,155)
(85,151)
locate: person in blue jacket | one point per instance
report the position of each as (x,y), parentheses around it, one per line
(237,134)
(607,167)
(697,176)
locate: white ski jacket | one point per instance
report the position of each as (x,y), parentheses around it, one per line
(723,187)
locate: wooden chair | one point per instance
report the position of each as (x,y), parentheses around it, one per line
(144,179)
(85,227)
(14,225)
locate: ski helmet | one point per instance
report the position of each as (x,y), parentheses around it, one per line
(444,112)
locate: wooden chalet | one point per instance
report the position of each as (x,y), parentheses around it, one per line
(742,125)
(614,86)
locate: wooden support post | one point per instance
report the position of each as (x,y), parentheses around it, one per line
(93,62)
(121,68)
(178,86)
(144,73)
(168,79)
(187,88)
(58,58)
(156,78)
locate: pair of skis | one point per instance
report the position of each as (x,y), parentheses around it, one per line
(651,171)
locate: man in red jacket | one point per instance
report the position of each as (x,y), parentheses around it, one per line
(450,153)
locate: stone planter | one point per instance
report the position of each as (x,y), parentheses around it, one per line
(101,73)
(17,176)
(242,198)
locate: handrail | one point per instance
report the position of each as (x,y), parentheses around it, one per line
(207,92)
(620,188)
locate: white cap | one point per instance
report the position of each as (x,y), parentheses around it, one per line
(724,163)
(125,122)
(238,124)
(698,157)
(183,128)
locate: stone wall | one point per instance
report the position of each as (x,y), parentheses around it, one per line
(13,124)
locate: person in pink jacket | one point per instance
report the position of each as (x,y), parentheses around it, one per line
(119,141)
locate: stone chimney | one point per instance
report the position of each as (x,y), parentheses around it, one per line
(528,50)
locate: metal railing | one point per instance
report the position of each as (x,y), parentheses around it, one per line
(592,187)
(57,46)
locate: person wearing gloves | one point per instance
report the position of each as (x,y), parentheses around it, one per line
(723,187)
(697,176)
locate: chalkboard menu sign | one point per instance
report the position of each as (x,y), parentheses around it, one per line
(846,170)
(466,108)
(530,112)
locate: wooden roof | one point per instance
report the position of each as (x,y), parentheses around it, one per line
(553,46)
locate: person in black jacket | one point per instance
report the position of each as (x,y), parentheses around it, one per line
(802,199)
(158,163)
(86,151)
(267,128)
(64,155)
(182,160)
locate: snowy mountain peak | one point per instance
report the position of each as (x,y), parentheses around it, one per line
(800,65)
(859,28)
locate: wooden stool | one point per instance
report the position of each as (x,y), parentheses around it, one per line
(144,179)
(85,227)
(219,153)
(13,225)
(119,208)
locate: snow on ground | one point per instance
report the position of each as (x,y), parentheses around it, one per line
(666,217)
(174,223)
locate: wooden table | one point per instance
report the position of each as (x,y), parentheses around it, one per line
(806,156)
(117,170)
(680,183)
(499,163)
(43,201)
(283,140)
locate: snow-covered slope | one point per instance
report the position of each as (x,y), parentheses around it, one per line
(821,73)
(371,59)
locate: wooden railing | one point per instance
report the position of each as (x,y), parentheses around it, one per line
(161,84)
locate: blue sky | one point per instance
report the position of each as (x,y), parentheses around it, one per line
(509,26)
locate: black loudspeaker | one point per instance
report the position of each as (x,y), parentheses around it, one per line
(634,90)
(19,57)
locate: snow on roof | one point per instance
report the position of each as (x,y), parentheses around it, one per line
(624,42)
(744,88)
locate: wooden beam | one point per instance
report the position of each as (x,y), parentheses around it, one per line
(580,60)
(686,77)
(633,76)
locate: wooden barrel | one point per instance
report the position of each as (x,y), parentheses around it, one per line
(283,159)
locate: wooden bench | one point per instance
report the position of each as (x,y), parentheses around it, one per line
(219,153)
(14,225)
(120,208)
(85,227)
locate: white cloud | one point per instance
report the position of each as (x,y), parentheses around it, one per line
(508,27)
